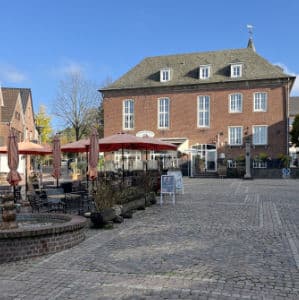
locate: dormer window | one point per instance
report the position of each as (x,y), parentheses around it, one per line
(164,75)
(236,70)
(204,72)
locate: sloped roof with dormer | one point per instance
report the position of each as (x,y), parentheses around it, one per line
(185,67)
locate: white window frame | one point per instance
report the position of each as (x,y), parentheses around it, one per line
(259,140)
(203,111)
(236,70)
(258,105)
(235,142)
(163,113)
(204,72)
(235,103)
(128,114)
(165,75)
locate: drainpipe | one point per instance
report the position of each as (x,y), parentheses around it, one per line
(287,112)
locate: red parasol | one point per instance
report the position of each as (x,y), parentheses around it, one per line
(56,158)
(13,176)
(76,147)
(121,141)
(29,148)
(157,144)
(93,155)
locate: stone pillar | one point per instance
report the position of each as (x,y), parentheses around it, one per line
(247,161)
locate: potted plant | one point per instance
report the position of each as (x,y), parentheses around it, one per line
(131,198)
(104,199)
(284,161)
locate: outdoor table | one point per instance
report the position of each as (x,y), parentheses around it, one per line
(73,201)
(56,196)
(56,204)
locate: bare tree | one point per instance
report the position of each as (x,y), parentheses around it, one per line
(75,100)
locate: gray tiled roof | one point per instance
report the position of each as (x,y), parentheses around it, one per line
(294,106)
(184,68)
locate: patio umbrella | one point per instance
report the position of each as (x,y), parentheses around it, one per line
(93,155)
(29,148)
(13,176)
(77,146)
(56,158)
(157,144)
(121,141)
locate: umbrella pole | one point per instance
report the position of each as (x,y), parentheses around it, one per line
(14,193)
(145,161)
(26,180)
(123,163)
(87,177)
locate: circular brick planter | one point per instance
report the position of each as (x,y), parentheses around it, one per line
(50,233)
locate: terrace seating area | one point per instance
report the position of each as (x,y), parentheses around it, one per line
(68,197)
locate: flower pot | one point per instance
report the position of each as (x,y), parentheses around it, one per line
(101,218)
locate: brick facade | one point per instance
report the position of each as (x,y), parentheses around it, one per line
(240,71)
(183,117)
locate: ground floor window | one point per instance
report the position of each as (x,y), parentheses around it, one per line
(129,159)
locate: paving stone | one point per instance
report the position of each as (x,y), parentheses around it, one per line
(229,239)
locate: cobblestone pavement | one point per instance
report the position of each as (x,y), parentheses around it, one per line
(228,239)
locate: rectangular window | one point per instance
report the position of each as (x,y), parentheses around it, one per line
(163,113)
(235,136)
(203,111)
(204,72)
(260,135)
(236,71)
(164,75)
(128,114)
(260,102)
(235,103)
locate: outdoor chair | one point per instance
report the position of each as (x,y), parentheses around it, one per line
(35,202)
(74,201)
(17,194)
(55,199)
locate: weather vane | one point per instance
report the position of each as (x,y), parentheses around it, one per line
(250,30)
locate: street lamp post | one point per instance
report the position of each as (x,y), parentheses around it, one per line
(247,159)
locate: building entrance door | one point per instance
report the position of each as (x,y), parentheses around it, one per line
(203,159)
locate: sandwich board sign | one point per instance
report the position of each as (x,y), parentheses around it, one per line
(168,186)
(179,185)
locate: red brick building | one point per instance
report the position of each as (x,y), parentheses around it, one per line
(16,110)
(211,102)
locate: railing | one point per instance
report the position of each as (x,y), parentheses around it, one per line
(259,164)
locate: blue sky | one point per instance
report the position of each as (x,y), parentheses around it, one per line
(42,41)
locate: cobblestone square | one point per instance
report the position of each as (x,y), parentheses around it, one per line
(223,239)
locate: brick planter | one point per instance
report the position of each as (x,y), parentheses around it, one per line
(62,232)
